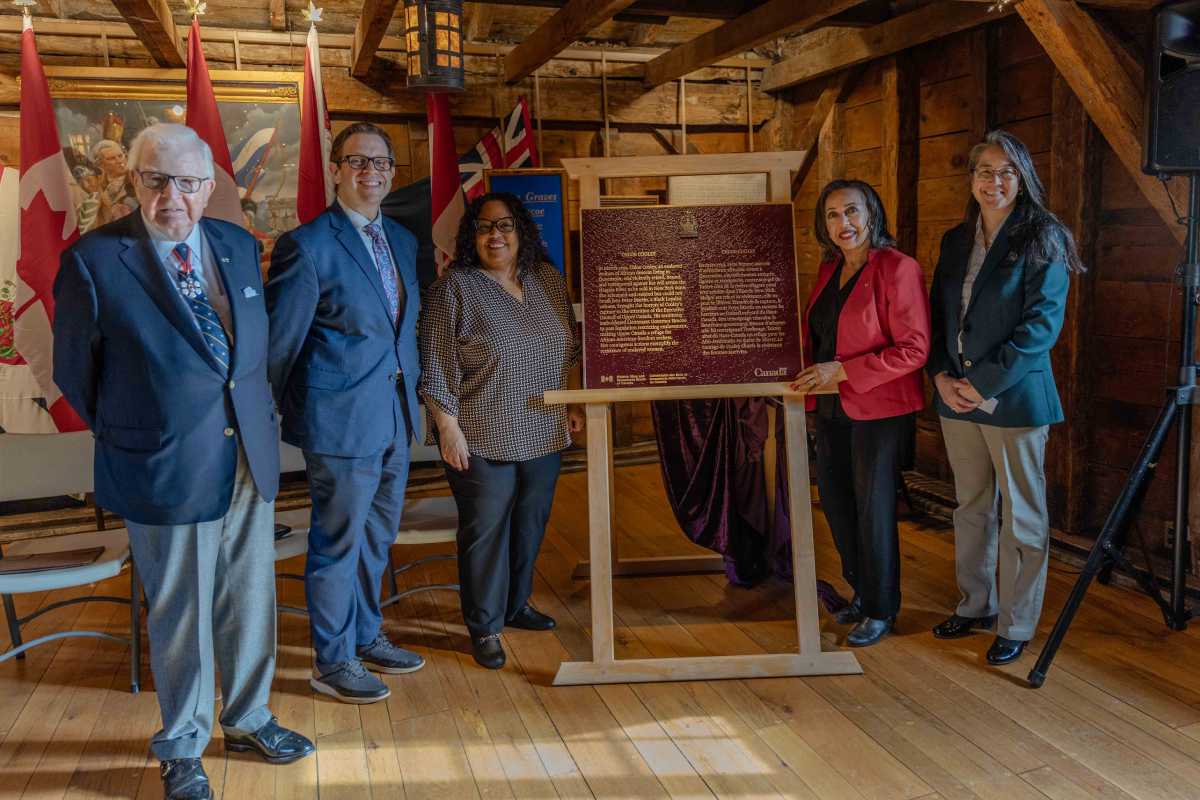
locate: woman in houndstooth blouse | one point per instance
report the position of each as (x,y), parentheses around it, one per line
(497,330)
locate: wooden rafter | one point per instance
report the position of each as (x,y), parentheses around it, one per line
(807,142)
(861,45)
(768,21)
(479,18)
(372,25)
(1101,81)
(152,22)
(573,20)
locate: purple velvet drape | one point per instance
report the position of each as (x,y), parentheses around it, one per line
(710,453)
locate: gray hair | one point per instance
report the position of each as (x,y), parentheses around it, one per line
(171,136)
(102,145)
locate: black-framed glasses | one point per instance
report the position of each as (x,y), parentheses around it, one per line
(357,162)
(1005,174)
(157,181)
(504,225)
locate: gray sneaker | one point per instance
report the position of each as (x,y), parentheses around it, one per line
(349,682)
(383,656)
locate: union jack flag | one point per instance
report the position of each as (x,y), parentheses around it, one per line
(496,150)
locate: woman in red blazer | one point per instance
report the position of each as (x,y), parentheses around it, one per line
(867,332)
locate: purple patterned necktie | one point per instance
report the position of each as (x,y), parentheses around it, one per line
(387,270)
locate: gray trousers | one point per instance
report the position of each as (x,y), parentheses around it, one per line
(1001,568)
(210,599)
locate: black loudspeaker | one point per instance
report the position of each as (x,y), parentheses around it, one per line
(1172,129)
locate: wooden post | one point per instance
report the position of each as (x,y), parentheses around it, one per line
(979,70)
(1073,187)
(749,113)
(537,102)
(600,534)
(901,121)
(683,147)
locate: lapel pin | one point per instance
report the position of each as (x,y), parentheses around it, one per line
(224,260)
(249,292)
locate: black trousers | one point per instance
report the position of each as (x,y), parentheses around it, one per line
(858,472)
(503,507)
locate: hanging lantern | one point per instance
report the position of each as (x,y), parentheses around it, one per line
(433,39)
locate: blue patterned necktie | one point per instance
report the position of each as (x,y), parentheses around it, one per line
(197,300)
(387,270)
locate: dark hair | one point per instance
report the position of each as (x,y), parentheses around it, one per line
(530,249)
(876,218)
(1034,230)
(369,128)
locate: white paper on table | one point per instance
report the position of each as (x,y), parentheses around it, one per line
(988,406)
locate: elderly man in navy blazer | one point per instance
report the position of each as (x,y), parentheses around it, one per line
(160,344)
(343,300)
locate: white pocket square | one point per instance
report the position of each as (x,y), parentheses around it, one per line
(249,292)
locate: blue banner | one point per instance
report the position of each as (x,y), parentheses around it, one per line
(542,194)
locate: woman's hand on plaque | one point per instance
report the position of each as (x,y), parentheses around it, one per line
(576,419)
(826,373)
(453,445)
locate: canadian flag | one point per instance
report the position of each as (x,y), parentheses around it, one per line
(445,187)
(315,188)
(48,227)
(204,118)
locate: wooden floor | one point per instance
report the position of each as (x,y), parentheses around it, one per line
(1118,718)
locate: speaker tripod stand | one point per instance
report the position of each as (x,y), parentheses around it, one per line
(1108,552)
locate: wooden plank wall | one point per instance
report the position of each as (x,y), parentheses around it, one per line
(998,76)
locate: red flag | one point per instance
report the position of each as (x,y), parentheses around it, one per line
(444,187)
(48,227)
(314,190)
(204,118)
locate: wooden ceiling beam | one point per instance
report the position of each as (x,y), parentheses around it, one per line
(368,33)
(852,47)
(479,21)
(696,9)
(769,21)
(570,22)
(1096,74)
(154,26)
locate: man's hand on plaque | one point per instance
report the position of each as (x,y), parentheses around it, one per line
(827,373)
(576,419)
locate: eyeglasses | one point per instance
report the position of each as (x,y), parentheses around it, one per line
(1005,174)
(357,162)
(504,225)
(157,181)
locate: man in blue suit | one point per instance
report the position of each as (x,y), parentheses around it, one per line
(160,345)
(343,299)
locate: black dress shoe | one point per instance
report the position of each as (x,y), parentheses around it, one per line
(869,631)
(276,744)
(184,779)
(1004,651)
(957,627)
(488,651)
(850,614)
(530,619)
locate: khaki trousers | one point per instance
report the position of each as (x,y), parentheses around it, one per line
(1000,563)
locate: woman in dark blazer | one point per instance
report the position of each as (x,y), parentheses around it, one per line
(998,297)
(866,331)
